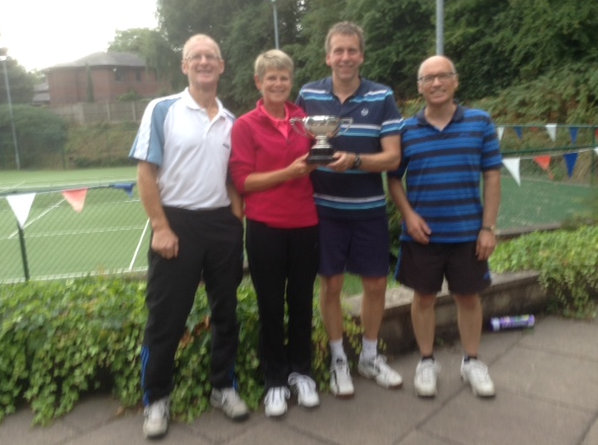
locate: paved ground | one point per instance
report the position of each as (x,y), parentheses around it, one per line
(547,393)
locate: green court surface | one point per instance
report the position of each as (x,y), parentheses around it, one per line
(111,234)
(108,235)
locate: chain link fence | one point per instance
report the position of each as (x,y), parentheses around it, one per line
(74,232)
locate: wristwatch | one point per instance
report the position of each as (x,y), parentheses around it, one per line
(491,228)
(356,162)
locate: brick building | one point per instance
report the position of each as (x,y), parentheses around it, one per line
(101,78)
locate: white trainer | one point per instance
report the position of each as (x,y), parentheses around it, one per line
(156,416)
(476,373)
(275,402)
(426,376)
(377,369)
(341,384)
(230,402)
(305,388)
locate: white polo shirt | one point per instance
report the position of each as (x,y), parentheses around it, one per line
(191,151)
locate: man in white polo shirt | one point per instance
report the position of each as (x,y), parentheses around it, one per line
(182,148)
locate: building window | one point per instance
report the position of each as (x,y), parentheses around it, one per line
(118,75)
(138,75)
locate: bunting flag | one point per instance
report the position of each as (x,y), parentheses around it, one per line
(126,187)
(570,160)
(543,161)
(551,130)
(500,130)
(573,133)
(519,132)
(512,164)
(76,198)
(21,205)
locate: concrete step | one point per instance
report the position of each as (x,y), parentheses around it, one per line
(509,294)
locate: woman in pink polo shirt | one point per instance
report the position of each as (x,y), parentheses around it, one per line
(269,169)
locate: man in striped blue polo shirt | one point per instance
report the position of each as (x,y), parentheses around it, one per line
(351,202)
(447,232)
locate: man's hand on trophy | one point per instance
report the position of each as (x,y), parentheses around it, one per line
(343,161)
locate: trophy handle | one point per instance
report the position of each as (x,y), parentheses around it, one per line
(294,121)
(347,122)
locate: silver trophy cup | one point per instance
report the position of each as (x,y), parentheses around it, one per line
(321,128)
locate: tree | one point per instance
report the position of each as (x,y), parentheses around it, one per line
(499,44)
(20,82)
(41,137)
(494,44)
(158,54)
(399,35)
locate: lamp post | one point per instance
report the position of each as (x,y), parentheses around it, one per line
(440,27)
(275,15)
(3,57)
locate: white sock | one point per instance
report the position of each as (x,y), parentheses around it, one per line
(336,350)
(369,349)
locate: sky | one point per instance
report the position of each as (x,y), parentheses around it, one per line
(43,33)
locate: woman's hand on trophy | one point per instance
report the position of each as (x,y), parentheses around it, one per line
(300,167)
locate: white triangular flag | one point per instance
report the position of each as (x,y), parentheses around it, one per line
(21,205)
(551,129)
(512,164)
(500,130)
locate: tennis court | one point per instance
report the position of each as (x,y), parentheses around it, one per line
(110,234)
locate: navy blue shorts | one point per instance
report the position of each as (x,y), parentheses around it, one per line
(423,268)
(356,246)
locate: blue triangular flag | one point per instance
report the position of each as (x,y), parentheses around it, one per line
(519,132)
(573,133)
(570,160)
(126,187)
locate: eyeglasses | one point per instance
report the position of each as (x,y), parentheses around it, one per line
(429,78)
(197,57)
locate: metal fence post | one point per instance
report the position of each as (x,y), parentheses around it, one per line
(23,252)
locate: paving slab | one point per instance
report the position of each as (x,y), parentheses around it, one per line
(547,393)
(509,418)
(18,429)
(549,376)
(591,437)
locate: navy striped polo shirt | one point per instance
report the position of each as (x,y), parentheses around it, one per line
(353,194)
(443,171)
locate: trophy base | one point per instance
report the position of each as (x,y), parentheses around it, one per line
(320,156)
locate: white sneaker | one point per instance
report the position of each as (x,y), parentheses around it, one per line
(383,374)
(156,418)
(305,388)
(229,401)
(341,384)
(275,402)
(476,373)
(426,375)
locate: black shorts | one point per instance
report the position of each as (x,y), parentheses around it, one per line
(424,267)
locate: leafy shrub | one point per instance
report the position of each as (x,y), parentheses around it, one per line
(62,339)
(41,137)
(567,262)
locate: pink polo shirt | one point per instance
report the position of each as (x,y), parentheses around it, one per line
(261,143)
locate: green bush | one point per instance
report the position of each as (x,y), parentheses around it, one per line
(567,261)
(60,340)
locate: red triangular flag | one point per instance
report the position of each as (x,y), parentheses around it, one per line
(76,198)
(543,161)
